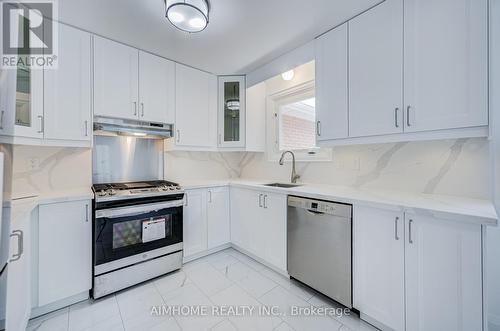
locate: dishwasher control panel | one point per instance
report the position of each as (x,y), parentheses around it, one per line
(320,206)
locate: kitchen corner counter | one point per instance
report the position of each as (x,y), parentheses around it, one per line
(454,208)
(192,185)
(42,198)
(66,195)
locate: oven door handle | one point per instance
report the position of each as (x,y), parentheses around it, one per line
(136,210)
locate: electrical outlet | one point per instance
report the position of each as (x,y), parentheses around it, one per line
(34,164)
(355,164)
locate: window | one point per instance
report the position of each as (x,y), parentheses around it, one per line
(292,125)
(297,129)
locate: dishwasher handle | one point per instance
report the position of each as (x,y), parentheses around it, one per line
(315,212)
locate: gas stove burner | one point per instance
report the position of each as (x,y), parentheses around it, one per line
(116,191)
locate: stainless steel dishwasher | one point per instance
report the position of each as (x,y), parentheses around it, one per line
(319,246)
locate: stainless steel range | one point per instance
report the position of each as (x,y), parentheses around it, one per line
(137,233)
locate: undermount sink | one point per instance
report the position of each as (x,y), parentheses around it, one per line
(282,185)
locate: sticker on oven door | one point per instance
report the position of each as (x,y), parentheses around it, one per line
(153,230)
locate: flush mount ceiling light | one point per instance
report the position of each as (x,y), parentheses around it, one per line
(288,75)
(188,15)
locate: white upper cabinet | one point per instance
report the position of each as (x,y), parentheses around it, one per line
(231,114)
(446,64)
(196,108)
(443,275)
(132,84)
(378,265)
(415,66)
(156,88)
(376,71)
(331,85)
(21,102)
(67,89)
(7,101)
(116,76)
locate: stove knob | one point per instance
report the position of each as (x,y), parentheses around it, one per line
(177,187)
(170,188)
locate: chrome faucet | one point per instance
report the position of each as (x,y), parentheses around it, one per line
(294,173)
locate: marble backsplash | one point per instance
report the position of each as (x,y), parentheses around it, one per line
(451,167)
(38,170)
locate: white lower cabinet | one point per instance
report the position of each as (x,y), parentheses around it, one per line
(443,275)
(206,220)
(421,267)
(18,303)
(378,262)
(218,217)
(195,222)
(64,250)
(258,224)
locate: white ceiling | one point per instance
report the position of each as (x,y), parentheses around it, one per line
(242,34)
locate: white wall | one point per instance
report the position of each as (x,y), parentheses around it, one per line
(290,60)
(53,169)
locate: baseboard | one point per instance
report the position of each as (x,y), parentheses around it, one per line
(205,253)
(374,322)
(39,311)
(261,261)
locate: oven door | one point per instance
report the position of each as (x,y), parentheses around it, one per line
(131,230)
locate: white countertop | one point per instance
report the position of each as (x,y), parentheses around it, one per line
(440,206)
(23,204)
(55,196)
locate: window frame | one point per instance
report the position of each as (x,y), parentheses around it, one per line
(274,101)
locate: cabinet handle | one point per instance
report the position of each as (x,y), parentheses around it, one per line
(186,200)
(220,139)
(260,200)
(396,228)
(86,128)
(20,244)
(409,232)
(40,118)
(265,201)
(178,136)
(318,128)
(142,109)
(1,119)
(210,196)
(135,108)
(408,116)
(396,122)
(86,213)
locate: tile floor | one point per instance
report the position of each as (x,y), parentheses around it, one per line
(226,278)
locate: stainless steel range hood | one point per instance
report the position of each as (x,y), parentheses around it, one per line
(113,126)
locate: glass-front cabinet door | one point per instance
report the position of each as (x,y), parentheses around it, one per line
(21,97)
(231,115)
